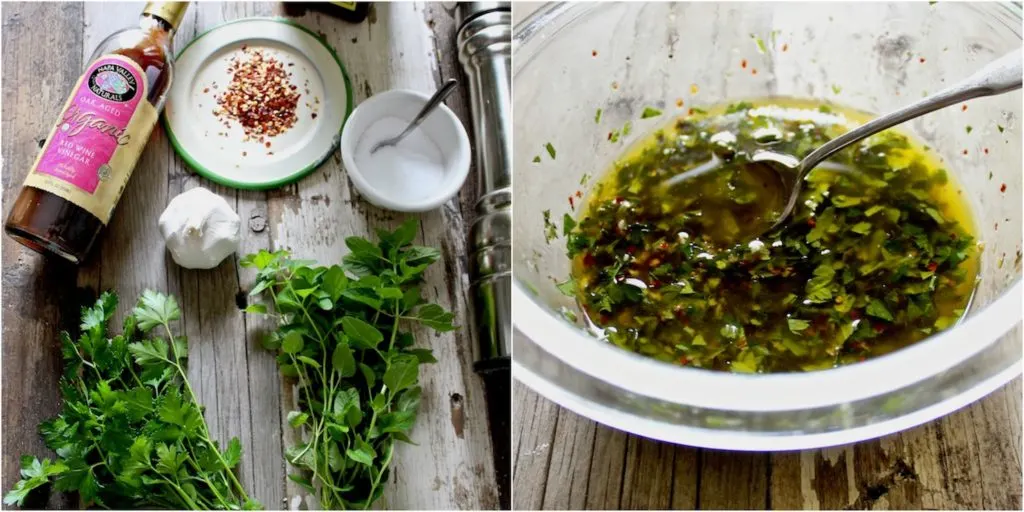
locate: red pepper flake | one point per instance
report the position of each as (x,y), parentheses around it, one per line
(258,96)
(663,245)
(932,266)
(589,260)
(631,249)
(207,89)
(985,150)
(1002,188)
(579,194)
(684,360)
(753,71)
(785,47)
(965,151)
(963,108)
(854,314)
(571,203)
(878,327)
(654,283)
(811,222)
(609,135)
(593,53)
(267,144)
(690,112)
(743,63)
(921,60)
(619,200)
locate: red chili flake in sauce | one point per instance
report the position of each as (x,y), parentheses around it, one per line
(684,360)
(593,53)
(811,222)
(921,60)
(753,71)
(571,203)
(690,112)
(663,245)
(654,284)
(579,194)
(963,108)
(631,249)
(785,46)
(1002,188)
(965,151)
(985,150)
(619,200)
(878,327)
(313,115)
(854,314)
(589,260)
(743,63)
(932,266)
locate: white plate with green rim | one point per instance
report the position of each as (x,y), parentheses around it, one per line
(216,147)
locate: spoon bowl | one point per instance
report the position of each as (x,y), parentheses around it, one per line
(1001,76)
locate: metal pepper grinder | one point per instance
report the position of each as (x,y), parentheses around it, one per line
(485,51)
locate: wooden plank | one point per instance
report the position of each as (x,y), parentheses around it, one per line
(967,460)
(534,425)
(37,301)
(452,467)
(571,451)
(607,469)
(647,481)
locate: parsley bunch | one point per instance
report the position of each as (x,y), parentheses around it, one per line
(341,337)
(131,434)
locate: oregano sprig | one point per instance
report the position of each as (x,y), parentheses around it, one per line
(344,335)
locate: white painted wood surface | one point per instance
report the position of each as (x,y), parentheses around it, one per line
(237,381)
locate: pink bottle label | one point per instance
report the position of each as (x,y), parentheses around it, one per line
(94,124)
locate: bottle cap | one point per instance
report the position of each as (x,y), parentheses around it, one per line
(171,12)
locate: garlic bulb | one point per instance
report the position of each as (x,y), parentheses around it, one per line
(200,229)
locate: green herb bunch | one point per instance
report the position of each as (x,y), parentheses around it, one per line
(341,337)
(131,434)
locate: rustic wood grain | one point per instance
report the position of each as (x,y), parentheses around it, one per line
(32,312)
(970,459)
(237,381)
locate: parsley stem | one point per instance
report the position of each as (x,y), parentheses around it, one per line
(203,432)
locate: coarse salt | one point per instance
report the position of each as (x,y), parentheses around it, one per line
(411,170)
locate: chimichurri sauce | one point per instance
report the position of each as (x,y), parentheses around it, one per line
(878,254)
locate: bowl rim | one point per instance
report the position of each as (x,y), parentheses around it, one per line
(458,164)
(749,392)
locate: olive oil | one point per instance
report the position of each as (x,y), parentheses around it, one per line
(879,254)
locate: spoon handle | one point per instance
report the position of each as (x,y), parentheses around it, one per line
(437,98)
(1000,76)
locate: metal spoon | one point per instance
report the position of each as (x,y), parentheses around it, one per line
(434,101)
(1000,76)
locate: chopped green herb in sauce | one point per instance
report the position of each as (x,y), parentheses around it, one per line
(877,256)
(650,112)
(550,149)
(597,116)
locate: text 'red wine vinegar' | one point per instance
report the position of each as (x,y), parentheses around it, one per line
(78,177)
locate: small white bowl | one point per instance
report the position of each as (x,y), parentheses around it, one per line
(442,126)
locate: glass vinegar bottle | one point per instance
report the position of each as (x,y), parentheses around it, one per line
(75,183)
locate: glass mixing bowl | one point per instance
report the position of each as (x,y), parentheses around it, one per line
(572,59)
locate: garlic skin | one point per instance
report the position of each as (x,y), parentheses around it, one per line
(200,229)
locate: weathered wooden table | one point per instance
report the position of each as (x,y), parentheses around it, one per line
(967,460)
(407,45)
